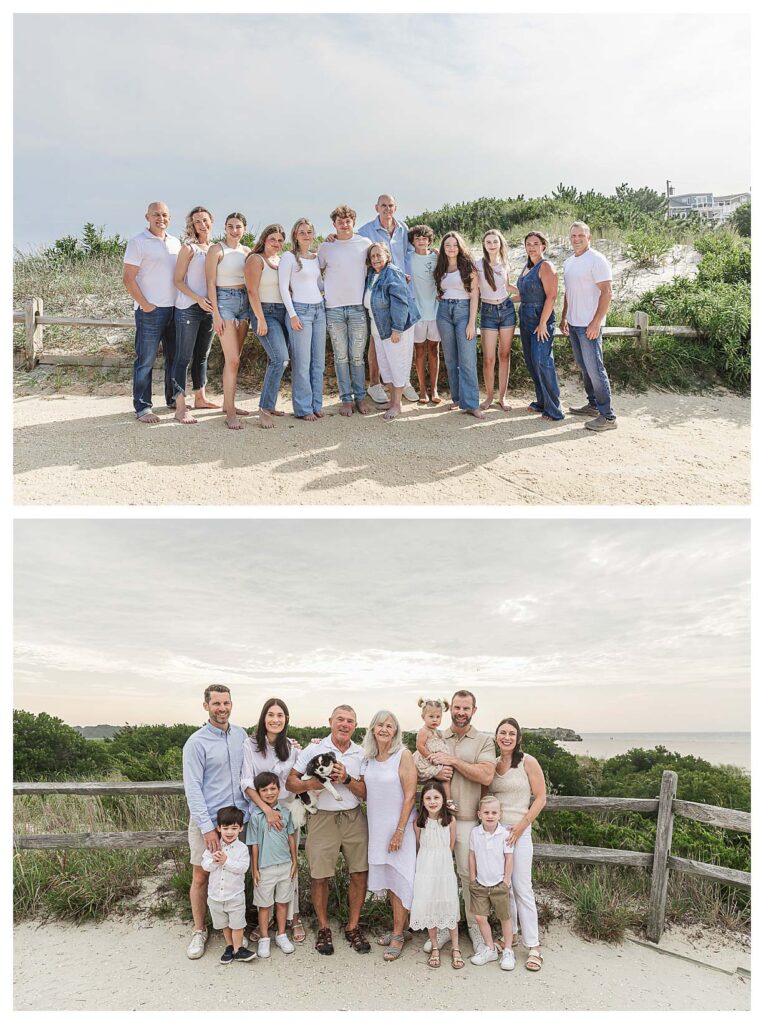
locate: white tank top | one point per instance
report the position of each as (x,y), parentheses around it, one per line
(195,277)
(269,282)
(231,267)
(514,792)
(487,294)
(453,286)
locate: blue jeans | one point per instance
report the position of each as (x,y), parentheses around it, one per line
(588,356)
(275,345)
(151,329)
(348,330)
(459,353)
(308,351)
(193,332)
(539,358)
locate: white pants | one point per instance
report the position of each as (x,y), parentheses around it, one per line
(522,902)
(395,358)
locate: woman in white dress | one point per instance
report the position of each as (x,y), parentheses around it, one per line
(390,778)
(269,749)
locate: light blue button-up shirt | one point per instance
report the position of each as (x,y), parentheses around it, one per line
(212,773)
(398,244)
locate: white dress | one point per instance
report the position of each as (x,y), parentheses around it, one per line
(436,896)
(384,801)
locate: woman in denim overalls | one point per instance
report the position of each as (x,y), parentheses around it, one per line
(537,285)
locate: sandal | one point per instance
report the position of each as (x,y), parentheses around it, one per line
(384,939)
(324,943)
(394,951)
(451,806)
(298,931)
(434,960)
(457,960)
(254,935)
(356,939)
(534,962)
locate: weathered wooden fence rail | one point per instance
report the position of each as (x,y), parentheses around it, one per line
(34,320)
(659,862)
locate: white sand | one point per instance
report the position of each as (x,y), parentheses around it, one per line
(669,449)
(139,964)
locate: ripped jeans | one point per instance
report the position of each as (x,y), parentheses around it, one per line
(275,345)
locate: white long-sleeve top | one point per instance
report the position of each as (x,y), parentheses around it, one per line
(227,880)
(299,284)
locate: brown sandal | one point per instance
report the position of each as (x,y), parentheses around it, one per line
(324,943)
(357,940)
(434,960)
(457,960)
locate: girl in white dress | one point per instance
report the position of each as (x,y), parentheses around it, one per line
(435,903)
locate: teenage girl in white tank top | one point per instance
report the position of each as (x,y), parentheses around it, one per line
(261,275)
(225,269)
(495,253)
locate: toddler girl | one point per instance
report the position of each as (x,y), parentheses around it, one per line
(429,740)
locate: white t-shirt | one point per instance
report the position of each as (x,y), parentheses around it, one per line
(582,275)
(490,848)
(352,758)
(344,265)
(156,258)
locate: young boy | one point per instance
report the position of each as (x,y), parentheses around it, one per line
(490,867)
(225,892)
(426,334)
(274,864)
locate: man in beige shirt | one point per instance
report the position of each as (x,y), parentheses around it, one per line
(473,760)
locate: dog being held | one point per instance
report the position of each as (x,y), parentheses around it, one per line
(319,767)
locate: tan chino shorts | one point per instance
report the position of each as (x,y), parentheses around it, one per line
(483,897)
(332,831)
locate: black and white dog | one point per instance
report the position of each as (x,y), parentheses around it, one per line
(319,767)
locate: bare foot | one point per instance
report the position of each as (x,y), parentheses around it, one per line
(185,416)
(533,408)
(205,403)
(319,414)
(276,412)
(436,399)
(501,404)
(266,422)
(392,412)
(487,403)
(477,413)
(149,417)
(242,412)
(363,407)
(232,422)
(451,406)
(551,419)
(422,398)
(384,405)
(346,409)
(311,417)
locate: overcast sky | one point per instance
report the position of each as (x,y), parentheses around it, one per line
(283,116)
(594,625)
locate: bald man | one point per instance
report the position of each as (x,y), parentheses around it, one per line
(149,276)
(395,234)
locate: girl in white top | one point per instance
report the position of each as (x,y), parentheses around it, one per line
(226,289)
(456,280)
(429,740)
(497,317)
(261,275)
(191,282)
(521,790)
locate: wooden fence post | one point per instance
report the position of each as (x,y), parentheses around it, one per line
(657,909)
(641,321)
(33,331)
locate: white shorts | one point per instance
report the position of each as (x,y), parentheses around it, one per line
(394,358)
(276,885)
(228,913)
(426,330)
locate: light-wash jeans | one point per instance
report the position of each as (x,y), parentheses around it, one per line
(588,356)
(275,345)
(348,329)
(308,351)
(459,353)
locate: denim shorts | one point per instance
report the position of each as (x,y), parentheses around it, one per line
(493,316)
(233,303)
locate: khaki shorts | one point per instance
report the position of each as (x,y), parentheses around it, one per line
(228,913)
(276,885)
(332,831)
(195,843)
(484,897)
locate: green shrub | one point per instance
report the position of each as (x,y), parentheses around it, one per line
(46,748)
(741,220)
(647,248)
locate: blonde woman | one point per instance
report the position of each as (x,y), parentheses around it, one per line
(227,293)
(268,313)
(497,314)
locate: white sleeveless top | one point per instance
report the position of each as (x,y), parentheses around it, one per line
(195,277)
(487,294)
(269,282)
(230,272)
(452,286)
(514,792)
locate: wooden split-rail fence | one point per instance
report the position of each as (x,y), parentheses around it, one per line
(659,862)
(34,321)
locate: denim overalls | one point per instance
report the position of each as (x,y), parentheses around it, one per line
(539,355)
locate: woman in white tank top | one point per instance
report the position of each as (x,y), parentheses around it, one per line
(261,274)
(456,281)
(230,308)
(497,314)
(521,790)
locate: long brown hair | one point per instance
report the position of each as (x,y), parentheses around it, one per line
(445,816)
(517,753)
(272,229)
(464,263)
(544,241)
(503,257)
(282,746)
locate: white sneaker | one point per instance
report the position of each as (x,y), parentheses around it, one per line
(197,944)
(264,948)
(282,941)
(378,394)
(444,936)
(410,393)
(507,960)
(486,955)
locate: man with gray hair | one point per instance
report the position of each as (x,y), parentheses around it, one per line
(588,294)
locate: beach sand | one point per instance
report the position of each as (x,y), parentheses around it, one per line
(86,448)
(140,964)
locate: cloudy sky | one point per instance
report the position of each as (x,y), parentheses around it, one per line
(282,116)
(596,625)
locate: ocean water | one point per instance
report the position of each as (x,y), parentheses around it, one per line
(716,747)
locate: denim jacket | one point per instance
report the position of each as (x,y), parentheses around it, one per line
(392,304)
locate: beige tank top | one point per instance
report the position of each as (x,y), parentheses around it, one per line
(269,282)
(230,270)
(514,792)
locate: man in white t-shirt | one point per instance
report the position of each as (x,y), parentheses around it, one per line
(588,294)
(343,263)
(149,276)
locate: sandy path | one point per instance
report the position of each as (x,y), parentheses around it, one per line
(669,449)
(142,966)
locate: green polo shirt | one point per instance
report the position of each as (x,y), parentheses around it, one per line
(272,844)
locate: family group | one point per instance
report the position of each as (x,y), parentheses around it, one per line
(468,827)
(384,284)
